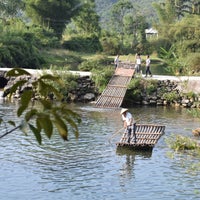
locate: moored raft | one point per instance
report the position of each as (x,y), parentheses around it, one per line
(147,135)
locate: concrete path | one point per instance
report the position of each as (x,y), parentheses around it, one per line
(44,71)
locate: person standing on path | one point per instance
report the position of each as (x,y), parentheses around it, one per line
(129,124)
(148,61)
(138,63)
(116,61)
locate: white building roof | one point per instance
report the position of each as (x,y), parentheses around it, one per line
(151,31)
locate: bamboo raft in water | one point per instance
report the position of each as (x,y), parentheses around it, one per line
(147,136)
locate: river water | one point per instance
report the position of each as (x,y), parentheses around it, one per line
(91,167)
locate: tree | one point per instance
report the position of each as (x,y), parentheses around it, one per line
(118,12)
(195,8)
(166,16)
(83,33)
(181,7)
(10,8)
(134,28)
(87,21)
(165,12)
(187,6)
(187,35)
(172,10)
(52,13)
(49,114)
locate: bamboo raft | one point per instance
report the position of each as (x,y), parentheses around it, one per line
(113,95)
(146,137)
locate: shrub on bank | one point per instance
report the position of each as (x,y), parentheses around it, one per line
(139,87)
(179,142)
(101,77)
(20,45)
(171,97)
(192,61)
(156,92)
(89,44)
(98,62)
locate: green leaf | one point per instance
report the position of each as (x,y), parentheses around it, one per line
(53,78)
(45,89)
(50,77)
(23,127)
(46,103)
(30,114)
(26,97)
(11,123)
(46,124)
(16,85)
(17,72)
(74,126)
(36,133)
(20,110)
(65,110)
(25,100)
(69,116)
(62,127)
(39,127)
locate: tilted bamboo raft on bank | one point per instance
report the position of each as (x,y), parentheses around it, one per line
(146,137)
(113,95)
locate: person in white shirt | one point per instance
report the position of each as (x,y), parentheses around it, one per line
(148,61)
(138,63)
(129,123)
(116,61)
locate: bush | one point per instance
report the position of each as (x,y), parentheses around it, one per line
(151,86)
(139,86)
(101,77)
(157,44)
(135,89)
(98,62)
(171,96)
(20,54)
(88,65)
(179,142)
(20,44)
(62,59)
(69,82)
(193,63)
(88,44)
(111,46)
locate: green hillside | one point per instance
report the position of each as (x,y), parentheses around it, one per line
(142,7)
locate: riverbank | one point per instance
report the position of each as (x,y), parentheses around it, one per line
(176,88)
(188,83)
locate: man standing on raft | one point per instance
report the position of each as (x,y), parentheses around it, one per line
(129,124)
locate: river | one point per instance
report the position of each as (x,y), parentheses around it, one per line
(91,167)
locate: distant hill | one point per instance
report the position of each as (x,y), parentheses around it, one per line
(143,7)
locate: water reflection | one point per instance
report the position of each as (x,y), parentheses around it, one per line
(127,169)
(129,152)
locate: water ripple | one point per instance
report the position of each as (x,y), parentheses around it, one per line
(91,167)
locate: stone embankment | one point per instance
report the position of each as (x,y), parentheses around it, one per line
(170,92)
(179,91)
(84,91)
